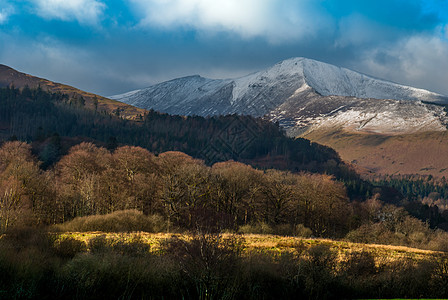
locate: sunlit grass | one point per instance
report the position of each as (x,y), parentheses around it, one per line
(270,244)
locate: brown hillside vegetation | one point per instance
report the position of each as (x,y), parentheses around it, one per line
(419,153)
(98,265)
(88,187)
(264,243)
(11,77)
(105,212)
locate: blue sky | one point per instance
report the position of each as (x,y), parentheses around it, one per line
(114,46)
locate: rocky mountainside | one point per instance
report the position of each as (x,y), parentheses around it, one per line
(302,94)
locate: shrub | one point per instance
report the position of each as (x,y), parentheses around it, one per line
(418,236)
(99,244)
(262,278)
(359,264)
(209,262)
(119,221)
(302,231)
(283,229)
(21,238)
(135,246)
(439,241)
(320,268)
(258,228)
(322,257)
(68,247)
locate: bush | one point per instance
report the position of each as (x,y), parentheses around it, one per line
(99,244)
(20,238)
(119,221)
(68,247)
(417,237)
(135,246)
(262,278)
(281,229)
(439,241)
(111,276)
(303,231)
(359,264)
(209,262)
(258,228)
(320,267)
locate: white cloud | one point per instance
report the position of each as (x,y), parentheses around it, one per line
(276,20)
(420,61)
(3,16)
(6,10)
(84,11)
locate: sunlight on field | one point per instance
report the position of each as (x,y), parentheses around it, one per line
(269,244)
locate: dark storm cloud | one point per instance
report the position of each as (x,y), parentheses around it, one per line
(110,47)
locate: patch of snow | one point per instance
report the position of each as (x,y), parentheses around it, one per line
(282,92)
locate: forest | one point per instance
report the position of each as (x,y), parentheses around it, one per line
(129,189)
(54,125)
(34,115)
(69,170)
(189,195)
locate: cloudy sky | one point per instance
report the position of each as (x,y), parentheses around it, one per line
(113,46)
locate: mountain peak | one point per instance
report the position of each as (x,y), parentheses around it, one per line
(298,92)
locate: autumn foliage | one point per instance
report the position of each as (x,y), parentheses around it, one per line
(92,180)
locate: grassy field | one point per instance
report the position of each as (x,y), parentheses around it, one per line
(269,244)
(138,265)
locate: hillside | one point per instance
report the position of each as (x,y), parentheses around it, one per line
(10,77)
(273,244)
(122,189)
(39,116)
(310,99)
(302,94)
(422,153)
(377,125)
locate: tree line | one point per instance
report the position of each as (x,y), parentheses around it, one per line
(424,197)
(92,180)
(37,116)
(189,195)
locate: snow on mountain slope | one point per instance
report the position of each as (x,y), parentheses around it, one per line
(330,80)
(185,96)
(300,93)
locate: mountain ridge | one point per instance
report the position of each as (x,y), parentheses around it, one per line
(300,94)
(325,79)
(332,112)
(10,77)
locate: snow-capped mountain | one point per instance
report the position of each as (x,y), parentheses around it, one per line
(301,94)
